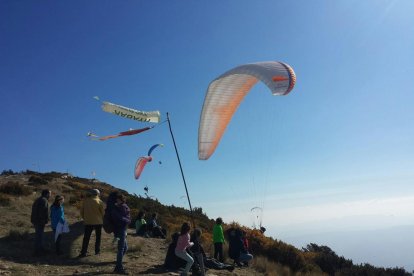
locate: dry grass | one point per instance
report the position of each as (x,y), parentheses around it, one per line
(263,265)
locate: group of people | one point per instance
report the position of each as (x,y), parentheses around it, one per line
(238,244)
(92,212)
(186,251)
(150,228)
(116,217)
(40,217)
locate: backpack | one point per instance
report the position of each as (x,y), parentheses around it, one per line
(108,225)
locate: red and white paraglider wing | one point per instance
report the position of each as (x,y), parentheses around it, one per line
(140,164)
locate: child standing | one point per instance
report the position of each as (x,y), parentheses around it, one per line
(218,240)
(182,244)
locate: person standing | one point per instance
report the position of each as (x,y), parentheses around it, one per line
(218,240)
(182,244)
(57,215)
(121,218)
(39,219)
(92,212)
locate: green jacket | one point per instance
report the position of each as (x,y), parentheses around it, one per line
(218,235)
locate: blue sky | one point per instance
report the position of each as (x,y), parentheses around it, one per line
(336,154)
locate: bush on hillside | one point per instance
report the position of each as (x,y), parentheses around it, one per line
(37,180)
(8,172)
(15,188)
(4,200)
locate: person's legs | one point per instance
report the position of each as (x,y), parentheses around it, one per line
(57,244)
(220,252)
(245,257)
(200,260)
(86,238)
(122,247)
(216,250)
(185,256)
(98,232)
(39,229)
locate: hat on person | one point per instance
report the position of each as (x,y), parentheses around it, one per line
(95,192)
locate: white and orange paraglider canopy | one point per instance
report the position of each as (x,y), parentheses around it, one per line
(225,93)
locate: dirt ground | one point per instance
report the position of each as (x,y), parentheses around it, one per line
(144,257)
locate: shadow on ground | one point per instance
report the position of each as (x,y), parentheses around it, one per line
(20,248)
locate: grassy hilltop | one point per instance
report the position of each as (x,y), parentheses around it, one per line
(146,256)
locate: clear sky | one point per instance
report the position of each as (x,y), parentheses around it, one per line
(336,154)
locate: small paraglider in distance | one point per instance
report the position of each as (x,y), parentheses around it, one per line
(257,214)
(225,93)
(142,161)
(140,164)
(91,134)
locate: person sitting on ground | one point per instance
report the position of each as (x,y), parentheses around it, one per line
(246,245)
(237,250)
(154,229)
(198,251)
(141,225)
(200,257)
(172,261)
(182,244)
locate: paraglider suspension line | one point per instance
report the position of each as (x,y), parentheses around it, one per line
(181,169)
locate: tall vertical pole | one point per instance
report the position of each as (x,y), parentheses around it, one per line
(181,169)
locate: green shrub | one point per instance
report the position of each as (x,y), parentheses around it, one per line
(15,188)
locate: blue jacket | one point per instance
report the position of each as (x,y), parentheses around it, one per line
(57,214)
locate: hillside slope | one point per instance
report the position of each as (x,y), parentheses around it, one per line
(144,257)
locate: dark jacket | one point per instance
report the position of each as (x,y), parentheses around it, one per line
(197,248)
(236,245)
(40,211)
(121,217)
